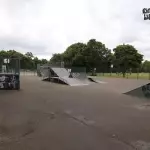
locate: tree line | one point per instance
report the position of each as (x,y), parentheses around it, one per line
(27,61)
(93,54)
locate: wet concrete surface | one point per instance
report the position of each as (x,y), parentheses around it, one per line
(44,116)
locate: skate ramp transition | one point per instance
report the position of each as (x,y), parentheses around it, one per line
(80,73)
(64,75)
(61,75)
(142,91)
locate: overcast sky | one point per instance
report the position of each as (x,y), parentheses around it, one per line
(44,27)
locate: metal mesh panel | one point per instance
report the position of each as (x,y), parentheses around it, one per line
(78,72)
(10,65)
(57,64)
(9,73)
(78,69)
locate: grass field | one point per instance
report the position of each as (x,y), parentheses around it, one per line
(132,76)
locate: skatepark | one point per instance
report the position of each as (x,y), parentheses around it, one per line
(74,75)
(47,115)
(78,77)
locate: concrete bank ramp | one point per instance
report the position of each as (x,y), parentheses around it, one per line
(123,86)
(74,81)
(141,92)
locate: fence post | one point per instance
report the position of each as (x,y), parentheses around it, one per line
(137,73)
(111,67)
(127,74)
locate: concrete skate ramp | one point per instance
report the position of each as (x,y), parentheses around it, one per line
(122,86)
(74,81)
(61,72)
(63,75)
(141,92)
(83,76)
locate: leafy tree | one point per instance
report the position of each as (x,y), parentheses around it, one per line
(78,60)
(27,61)
(91,55)
(146,66)
(72,54)
(127,57)
(97,55)
(29,54)
(3,53)
(56,58)
(44,61)
(36,60)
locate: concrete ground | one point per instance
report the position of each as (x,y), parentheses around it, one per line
(122,85)
(48,116)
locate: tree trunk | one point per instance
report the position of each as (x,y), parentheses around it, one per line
(92,72)
(124,74)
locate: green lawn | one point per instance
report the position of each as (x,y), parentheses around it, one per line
(132,76)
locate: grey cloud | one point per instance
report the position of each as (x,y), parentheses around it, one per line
(129,39)
(44,27)
(22,45)
(34,46)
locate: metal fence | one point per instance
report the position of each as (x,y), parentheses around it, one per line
(25,72)
(9,65)
(136,73)
(9,73)
(102,71)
